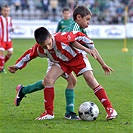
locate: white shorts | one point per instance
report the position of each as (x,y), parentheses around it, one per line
(50,64)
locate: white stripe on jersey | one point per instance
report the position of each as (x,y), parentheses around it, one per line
(68,49)
(40,54)
(59,54)
(50,57)
(46,55)
(84,39)
(23,60)
(65,47)
(5,28)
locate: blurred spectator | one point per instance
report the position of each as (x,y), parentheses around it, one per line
(38,4)
(102,5)
(24,4)
(54,5)
(95,9)
(114,20)
(17,4)
(120,9)
(45,6)
(125,1)
(130,8)
(62,3)
(72,4)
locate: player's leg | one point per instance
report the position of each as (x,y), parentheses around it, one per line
(83,66)
(1,60)
(21,90)
(69,94)
(100,94)
(52,75)
(2,50)
(8,55)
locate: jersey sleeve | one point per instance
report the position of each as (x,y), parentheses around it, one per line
(69,37)
(27,56)
(84,40)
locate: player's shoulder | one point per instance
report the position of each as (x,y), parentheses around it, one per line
(74,26)
(71,20)
(61,21)
(70,27)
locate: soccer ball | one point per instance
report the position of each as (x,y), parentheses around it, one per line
(88,111)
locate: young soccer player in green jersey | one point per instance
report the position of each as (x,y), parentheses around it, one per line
(65,21)
(82,16)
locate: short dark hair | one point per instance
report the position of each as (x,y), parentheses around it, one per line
(82,10)
(66,9)
(41,34)
(6,6)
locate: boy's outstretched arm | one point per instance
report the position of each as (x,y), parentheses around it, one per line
(105,67)
(95,54)
(82,47)
(24,59)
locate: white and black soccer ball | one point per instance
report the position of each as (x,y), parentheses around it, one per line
(88,111)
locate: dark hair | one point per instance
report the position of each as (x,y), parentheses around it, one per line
(82,10)
(6,6)
(41,34)
(66,9)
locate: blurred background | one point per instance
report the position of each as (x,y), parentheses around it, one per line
(104,11)
(110,18)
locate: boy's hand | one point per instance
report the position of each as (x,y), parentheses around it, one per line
(12,69)
(107,69)
(91,52)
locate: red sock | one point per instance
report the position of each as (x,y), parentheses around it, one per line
(7,57)
(102,96)
(1,62)
(49,99)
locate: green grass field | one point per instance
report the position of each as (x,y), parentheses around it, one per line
(118,87)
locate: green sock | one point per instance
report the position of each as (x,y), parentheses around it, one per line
(69,93)
(32,87)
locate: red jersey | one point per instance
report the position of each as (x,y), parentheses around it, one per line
(5,28)
(62,50)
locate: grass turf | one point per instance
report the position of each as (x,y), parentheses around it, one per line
(118,87)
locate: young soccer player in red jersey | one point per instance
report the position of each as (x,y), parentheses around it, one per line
(5,37)
(71,80)
(67,59)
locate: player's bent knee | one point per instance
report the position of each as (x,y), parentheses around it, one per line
(48,81)
(71,82)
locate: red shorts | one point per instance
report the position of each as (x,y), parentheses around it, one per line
(6,45)
(78,65)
